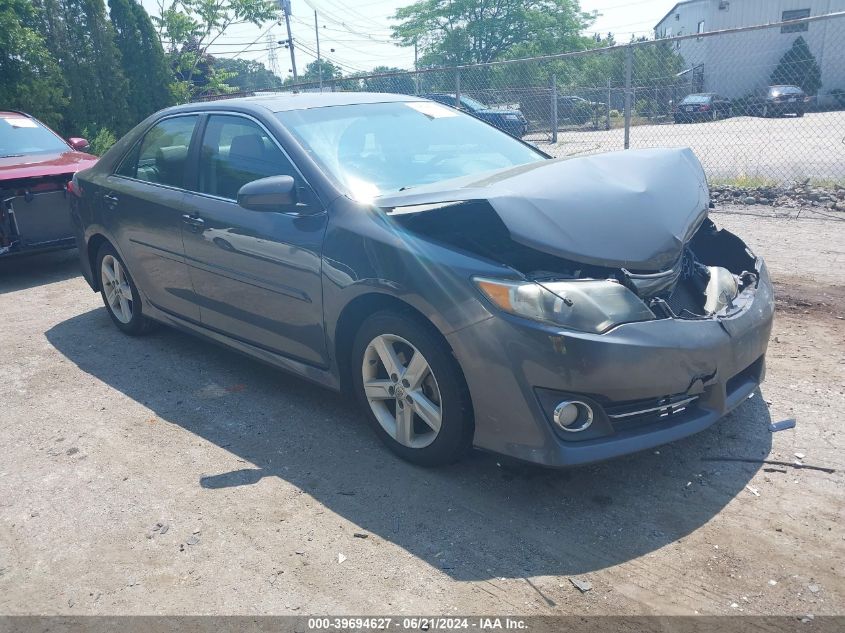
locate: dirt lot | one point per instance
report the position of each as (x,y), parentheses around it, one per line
(780,149)
(260,481)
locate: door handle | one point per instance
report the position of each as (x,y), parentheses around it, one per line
(194,221)
(111,199)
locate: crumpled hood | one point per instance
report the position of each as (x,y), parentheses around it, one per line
(38,165)
(631,209)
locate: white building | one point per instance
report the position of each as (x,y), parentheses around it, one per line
(737,64)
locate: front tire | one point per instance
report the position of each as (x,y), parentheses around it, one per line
(120,294)
(412,389)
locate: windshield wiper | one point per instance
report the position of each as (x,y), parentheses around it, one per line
(10,155)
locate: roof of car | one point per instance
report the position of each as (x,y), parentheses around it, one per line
(303,100)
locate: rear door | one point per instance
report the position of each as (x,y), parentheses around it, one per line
(256,273)
(142,206)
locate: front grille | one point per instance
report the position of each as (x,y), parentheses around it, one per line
(630,415)
(686,299)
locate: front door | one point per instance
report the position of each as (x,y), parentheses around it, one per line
(143,207)
(256,273)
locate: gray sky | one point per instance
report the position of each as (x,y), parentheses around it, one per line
(359,32)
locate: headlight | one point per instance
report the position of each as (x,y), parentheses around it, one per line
(511,117)
(588,305)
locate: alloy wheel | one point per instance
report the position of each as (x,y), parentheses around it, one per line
(402,391)
(116,288)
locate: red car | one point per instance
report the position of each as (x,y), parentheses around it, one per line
(35,167)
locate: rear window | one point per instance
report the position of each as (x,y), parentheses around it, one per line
(784,90)
(696,99)
(20,134)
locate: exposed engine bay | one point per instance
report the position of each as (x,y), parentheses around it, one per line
(709,278)
(34,213)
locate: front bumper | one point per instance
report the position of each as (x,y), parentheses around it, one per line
(517,370)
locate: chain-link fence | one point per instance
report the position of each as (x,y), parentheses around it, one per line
(738,97)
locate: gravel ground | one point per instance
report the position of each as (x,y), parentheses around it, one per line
(779,149)
(167,475)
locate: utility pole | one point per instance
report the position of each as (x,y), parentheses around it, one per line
(319,63)
(285,4)
(416,69)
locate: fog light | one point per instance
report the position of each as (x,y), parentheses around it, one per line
(573,415)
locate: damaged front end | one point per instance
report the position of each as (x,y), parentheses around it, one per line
(34,214)
(642,322)
(714,276)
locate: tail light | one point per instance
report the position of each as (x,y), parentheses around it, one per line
(73,187)
(704,108)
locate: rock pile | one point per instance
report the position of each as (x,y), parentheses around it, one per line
(800,194)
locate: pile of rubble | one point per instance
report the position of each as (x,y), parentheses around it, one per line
(798,195)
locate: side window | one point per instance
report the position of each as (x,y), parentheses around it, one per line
(236,151)
(129,163)
(162,155)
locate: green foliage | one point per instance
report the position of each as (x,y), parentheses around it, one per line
(798,67)
(142,59)
(329,70)
(99,141)
(80,38)
(187,28)
(400,84)
(29,76)
(451,32)
(245,75)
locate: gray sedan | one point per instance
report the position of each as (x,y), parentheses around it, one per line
(467,289)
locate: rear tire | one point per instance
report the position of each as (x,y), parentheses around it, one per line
(411,389)
(799,113)
(120,294)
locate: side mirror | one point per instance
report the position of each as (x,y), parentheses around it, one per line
(276,193)
(79,144)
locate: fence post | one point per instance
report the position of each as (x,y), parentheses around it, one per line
(629,59)
(553,82)
(607,107)
(457,87)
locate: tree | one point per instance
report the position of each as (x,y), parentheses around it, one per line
(399,83)
(330,72)
(142,59)
(798,67)
(29,76)
(246,75)
(477,31)
(81,39)
(187,28)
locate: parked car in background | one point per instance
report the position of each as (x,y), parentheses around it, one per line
(577,110)
(780,100)
(36,165)
(463,286)
(511,121)
(705,106)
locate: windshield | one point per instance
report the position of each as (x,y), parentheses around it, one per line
(696,99)
(21,135)
(372,149)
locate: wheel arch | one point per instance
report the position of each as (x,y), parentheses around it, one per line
(92,248)
(354,314)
